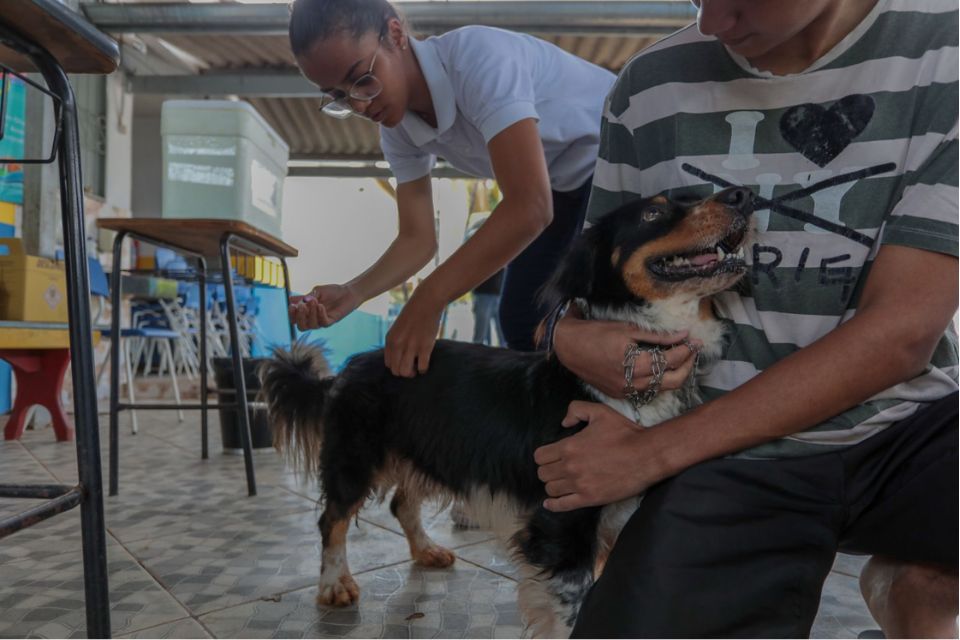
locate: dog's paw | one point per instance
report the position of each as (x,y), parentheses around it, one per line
(342,593)
(437,556)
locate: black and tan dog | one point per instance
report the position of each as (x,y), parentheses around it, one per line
(467,428)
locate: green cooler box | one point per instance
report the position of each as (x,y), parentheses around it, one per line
(222,160)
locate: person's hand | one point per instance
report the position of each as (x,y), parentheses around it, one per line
(609,460)
(323,306)
(410,340)
(594,350)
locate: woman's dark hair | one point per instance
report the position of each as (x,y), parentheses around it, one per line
(314,20)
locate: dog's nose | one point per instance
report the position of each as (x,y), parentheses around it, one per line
(739,198)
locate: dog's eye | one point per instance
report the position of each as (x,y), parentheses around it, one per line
(650,214)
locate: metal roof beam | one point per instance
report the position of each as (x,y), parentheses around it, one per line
(627,17)
(253,84)
(325,170)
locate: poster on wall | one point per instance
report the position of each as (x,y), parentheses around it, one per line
(11,144)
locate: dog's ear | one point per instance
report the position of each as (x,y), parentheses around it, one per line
(574,276)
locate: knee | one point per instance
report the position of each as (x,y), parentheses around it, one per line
(911,600)
(886,577)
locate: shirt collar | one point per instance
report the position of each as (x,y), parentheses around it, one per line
(441,93)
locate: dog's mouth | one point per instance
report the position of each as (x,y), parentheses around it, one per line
(724,257)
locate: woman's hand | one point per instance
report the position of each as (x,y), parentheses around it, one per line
(594,351)
(610,459)
(410,340)
(323,306)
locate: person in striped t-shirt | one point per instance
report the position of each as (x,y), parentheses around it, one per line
(831,421)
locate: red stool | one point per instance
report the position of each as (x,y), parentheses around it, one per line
(39,374)
(39,353)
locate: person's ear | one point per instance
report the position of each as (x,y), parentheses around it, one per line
(396,33)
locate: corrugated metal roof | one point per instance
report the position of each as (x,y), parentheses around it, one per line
(237,51)
(233,44)
(312,134)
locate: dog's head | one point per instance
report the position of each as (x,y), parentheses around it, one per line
(656,248)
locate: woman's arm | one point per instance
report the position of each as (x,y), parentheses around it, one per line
(516,155)
(909,299)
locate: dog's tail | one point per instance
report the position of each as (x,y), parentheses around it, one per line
(295,385)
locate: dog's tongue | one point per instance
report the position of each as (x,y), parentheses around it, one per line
(703,259)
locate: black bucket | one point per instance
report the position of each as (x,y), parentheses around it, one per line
(260,437)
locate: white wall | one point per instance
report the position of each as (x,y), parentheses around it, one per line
(342,225)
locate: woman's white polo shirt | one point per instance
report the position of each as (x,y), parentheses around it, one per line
(482,80)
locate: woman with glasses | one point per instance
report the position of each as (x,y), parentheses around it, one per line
(492,103)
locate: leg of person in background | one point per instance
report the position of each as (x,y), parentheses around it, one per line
(520,312)
(484,310)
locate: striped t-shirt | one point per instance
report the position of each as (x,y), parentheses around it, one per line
(857,151)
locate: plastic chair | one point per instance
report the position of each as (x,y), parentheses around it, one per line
(100,289)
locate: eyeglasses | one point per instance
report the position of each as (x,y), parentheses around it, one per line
(364,89)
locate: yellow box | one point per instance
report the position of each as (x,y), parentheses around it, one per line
(32,289)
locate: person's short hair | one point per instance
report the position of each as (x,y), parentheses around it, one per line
(314,20)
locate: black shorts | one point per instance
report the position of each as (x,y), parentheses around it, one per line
(741,548)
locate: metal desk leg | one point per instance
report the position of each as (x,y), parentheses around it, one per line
(115,347)
(286,287)
(81,347)
(239,380)
(204,431)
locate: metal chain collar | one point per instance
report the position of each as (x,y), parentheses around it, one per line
(658,368)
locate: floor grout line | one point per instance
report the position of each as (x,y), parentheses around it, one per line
(204,626)
(154,626)
(154,577)
(493,571)
(267,597)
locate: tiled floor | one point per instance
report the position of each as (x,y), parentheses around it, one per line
(191,556)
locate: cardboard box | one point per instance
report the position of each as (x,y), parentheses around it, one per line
(32,289)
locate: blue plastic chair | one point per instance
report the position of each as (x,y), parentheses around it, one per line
(100,289)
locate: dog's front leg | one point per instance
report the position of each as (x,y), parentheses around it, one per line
(556,553)
(550,604)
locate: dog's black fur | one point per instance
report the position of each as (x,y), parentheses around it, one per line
(469,425)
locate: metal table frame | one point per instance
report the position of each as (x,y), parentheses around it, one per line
(88,493)
(228,241)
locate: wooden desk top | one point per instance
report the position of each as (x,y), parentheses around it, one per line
(77,45)
(201,235)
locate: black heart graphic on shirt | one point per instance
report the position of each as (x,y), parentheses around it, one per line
(821,134)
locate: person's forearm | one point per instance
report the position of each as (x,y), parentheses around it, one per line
(859,359)
(405,256)
(507,232)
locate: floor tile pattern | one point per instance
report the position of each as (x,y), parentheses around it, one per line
(192,556)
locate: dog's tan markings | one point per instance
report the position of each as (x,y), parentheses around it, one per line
(615,257)
(637,277)
(706,309)
(702,227)
(659,200)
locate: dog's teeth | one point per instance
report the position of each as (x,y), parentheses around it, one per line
(720,254)
(740,253)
